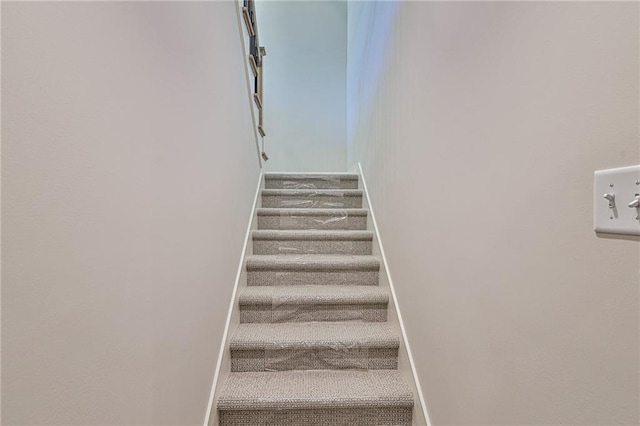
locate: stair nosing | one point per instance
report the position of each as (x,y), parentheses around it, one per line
(311,235)
(288,212)
(302,176)
(312,262)
(275,192)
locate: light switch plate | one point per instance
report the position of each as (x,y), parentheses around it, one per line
(624,184)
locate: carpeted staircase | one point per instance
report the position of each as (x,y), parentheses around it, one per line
(313,346)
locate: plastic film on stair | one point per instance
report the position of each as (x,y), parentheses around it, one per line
(316,355)
(296,219)
(314,182)
(323,270)
(283,248)
(310,219)
(314,346)
(317,199)
(335,247)
(311,199)
(338,242)
(311,181)
(341,303)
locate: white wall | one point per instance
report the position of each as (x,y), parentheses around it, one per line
(479,126)
(129,169)
(304,84)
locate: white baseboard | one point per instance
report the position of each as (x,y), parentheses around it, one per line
(423,404)
(227,326)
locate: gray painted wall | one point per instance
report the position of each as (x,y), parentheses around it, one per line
(129,169)
(479,126)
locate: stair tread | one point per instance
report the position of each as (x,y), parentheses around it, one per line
(277,211)
(316,294)
(276,262)
(315,235)
(335,335)
(314,389)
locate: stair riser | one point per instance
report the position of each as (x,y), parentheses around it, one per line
(313,313)
(353,223)
(311,247)
(311,202)
(315,183)
(261,278)
(338,358)
(362,416)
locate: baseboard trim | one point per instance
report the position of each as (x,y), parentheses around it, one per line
(227,326)
(423,404)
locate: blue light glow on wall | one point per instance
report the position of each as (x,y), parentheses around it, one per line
(370,27)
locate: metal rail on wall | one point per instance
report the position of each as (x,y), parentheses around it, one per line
(256,55)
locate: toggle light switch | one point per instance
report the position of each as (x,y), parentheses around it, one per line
(612,200)
(621,184)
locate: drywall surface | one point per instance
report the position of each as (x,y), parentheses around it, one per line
(479,126)
(128,173)
(304,84)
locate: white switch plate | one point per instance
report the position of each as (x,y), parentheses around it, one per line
(623,183)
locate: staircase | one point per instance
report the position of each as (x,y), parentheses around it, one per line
(313,346)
